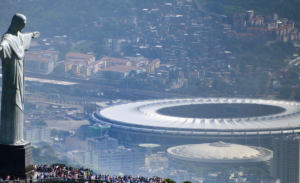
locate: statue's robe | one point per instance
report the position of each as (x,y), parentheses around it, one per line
(12,103)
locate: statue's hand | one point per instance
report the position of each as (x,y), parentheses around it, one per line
(35,34)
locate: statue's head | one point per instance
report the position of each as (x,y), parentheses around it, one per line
(17,23)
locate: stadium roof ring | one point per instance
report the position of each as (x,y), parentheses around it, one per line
(199,117)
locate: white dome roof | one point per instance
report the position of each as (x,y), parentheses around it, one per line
(219,152)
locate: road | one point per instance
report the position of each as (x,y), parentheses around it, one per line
(93,85)
(200,8)
(66,125)
(292,63)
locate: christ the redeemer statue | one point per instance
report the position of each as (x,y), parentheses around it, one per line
(12,48)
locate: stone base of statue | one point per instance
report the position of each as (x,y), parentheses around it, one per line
(16,160)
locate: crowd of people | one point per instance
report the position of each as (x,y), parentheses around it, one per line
(65,173)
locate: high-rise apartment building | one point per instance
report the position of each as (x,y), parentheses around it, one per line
(105,153)
(40,133)
(101,143)
(285,164)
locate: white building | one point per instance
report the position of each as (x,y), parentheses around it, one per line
(120,160)
(157,160)
(105,153)
(285,164)
(108,44)
(101,143)
(39,64)
(37,133)
(114,46)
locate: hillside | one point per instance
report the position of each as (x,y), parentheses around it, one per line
(71,18)
(284,8)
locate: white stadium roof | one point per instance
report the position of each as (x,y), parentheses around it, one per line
(143,116)
(219,152)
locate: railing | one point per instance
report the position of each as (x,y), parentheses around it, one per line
(59,180)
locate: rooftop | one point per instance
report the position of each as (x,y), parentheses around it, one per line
(120,68)
(39,59)
(87,56)
(112,59)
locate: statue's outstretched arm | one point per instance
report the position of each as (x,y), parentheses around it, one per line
(33,35)
(36,34)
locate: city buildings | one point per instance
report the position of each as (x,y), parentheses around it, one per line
(68,65)
(285,164)
(257,28)
(39,64)
(111,61)
(153,65)
(41,61)
(37,133)
(105,153)
(157,160)
(114,46)
(119,71)
(50,54)
(79,57)
(101,143)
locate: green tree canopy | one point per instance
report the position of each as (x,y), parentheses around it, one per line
(169,180)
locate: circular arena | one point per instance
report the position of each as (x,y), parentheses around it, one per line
(200,120)
(219,153)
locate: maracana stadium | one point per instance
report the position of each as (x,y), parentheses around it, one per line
(200,120)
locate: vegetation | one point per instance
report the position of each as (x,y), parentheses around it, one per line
(60,134)
(90,108)
(168,180)
(46,155)
(29,106)
(76,19)
(259,169)
(260,55)
(39,123)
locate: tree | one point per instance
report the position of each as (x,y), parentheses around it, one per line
(285,92)
(59,69)
(109,75)
(89,108)
(174,74)
(29,105)
(256,171)
(46,155)
(243,67)
(169,180)
(39,123)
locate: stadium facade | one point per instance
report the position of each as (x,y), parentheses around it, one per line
(201,120)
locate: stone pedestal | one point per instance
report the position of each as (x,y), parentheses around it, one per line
(16,160)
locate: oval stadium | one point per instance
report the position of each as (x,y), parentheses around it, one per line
(201,120)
